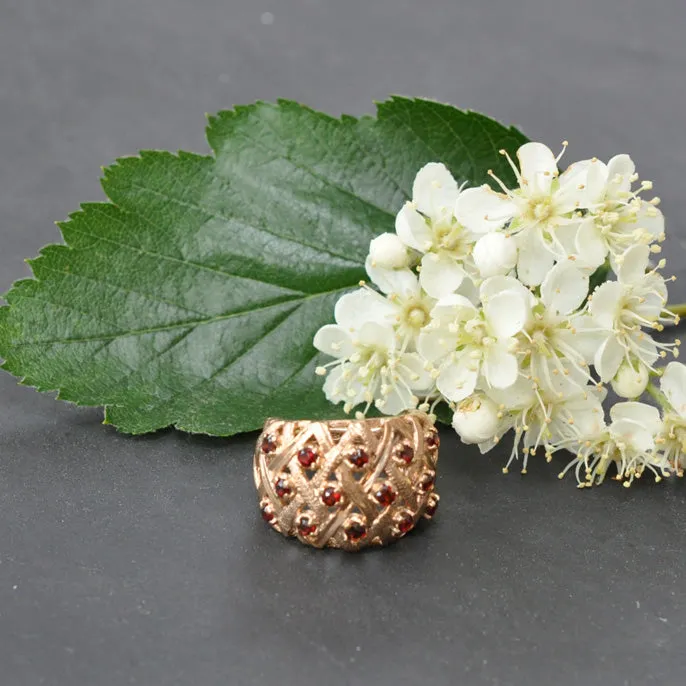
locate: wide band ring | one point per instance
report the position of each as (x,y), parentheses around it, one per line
(347,483)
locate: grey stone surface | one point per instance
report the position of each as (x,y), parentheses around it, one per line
(143,561)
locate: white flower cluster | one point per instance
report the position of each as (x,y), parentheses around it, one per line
(482,301)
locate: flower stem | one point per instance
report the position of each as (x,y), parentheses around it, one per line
(658,396)
(679,308)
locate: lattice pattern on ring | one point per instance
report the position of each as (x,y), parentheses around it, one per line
(347,483)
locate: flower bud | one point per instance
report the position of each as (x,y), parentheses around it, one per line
(389,252)
(495,254)
(630,382)
(476,419)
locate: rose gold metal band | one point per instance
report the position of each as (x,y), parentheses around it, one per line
(347,483)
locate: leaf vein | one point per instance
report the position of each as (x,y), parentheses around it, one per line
(169,327)
(177,260)
(326,181)
(216,215)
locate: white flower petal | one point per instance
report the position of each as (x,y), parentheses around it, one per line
(606,303)
(636,423)
(435,191)
(412,228)
(673,385)
(650,219)
(434,344)
(457,381)
(564,288)
(632,433)
(494,254)
(654,290)
(332,388)
(646,415)
(572,193)
(564,384)
(619,172)
(334,340)
(591,249)
(403,282)
(644,348)
(565,239)
(596,182)
(608,357)
(498,284)
(587,410)
(440,275)
(538,167)
(517,396)
(411,367)
(482,209)
(453,306)
(337,390)
(352,310)
(506,313)
(469,290)
(500,366)
(633,264)
(397,401)
(533,262)
(585,339)
(377,335)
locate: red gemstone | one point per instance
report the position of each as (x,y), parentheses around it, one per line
(281,487)
(331,496)
(267,513)
(405,523)
(432,440)
(355,531)
(307,457)
(305,527)
(359,458)
(431,508)
(406,454)
(268,444)
(385,495)
(427,482)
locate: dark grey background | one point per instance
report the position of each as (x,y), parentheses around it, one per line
(142,561)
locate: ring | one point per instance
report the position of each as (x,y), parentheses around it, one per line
(347,483)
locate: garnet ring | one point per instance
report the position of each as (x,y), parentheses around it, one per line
(347,483)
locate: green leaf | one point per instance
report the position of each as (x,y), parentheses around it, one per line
(191,298)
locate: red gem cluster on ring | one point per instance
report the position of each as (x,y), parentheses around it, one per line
(355,531)
(305,526)
(268,444)
(358,458)
(307,457)
(432,506)
(354,528)
(331,496)
(385,495)
(404,523)
(405,454)
(282,487)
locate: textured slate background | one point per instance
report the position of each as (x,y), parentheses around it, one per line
(142,561)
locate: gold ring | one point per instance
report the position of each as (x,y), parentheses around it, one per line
(347,483)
